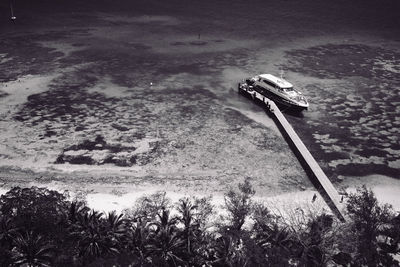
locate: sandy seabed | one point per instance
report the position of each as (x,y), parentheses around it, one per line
(117,104)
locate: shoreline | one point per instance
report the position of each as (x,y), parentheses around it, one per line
(103,197)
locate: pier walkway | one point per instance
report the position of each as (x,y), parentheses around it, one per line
(322,182)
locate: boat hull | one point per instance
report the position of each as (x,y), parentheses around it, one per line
(281,100)
(285,102)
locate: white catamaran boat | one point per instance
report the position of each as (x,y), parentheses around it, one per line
(277,89)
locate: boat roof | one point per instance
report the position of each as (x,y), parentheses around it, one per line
(278,81)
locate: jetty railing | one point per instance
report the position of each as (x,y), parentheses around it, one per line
(321,181)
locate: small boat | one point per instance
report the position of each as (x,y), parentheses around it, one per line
(13,18)
(277,89)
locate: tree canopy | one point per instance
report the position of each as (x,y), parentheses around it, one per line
(42,227)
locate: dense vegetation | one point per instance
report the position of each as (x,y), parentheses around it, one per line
(41,227)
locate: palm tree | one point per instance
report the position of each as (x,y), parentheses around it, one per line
(274,238)
(187,209)
(92,237)
(116,228)
(165,243)
(316,240)
(139,241)
(115,223)
(7,230)
(238,204)
(228,250)
(370,222)
(75,210)
(32,250)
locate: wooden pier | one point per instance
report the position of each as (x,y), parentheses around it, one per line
(320,180)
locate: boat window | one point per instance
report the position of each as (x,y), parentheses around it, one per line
(249,82)
(269,83)
(289,89)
